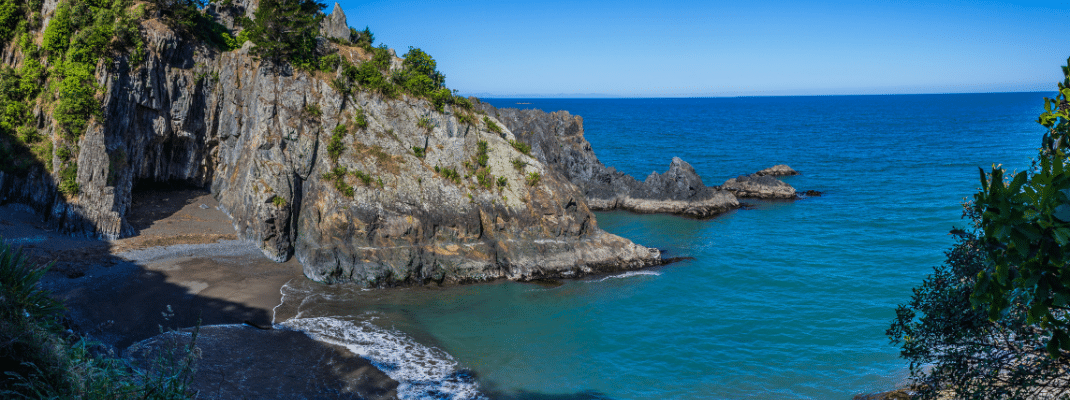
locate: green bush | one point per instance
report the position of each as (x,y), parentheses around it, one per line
(481,158)
(278,201)
(335,146)
(519,164)
(533,179)
(286,30)
(493,127)
(420,152)
(521,146)
(76,99)
(363,38)
(502,182)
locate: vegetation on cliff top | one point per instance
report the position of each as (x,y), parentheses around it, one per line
(993,321)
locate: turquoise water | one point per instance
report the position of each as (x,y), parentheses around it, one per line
(786,300)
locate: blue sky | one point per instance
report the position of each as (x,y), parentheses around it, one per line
(735,48)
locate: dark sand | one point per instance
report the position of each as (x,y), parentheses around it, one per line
(185,267)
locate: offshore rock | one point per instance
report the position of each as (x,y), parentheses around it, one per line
(378,215)
(777,170)
(556,139)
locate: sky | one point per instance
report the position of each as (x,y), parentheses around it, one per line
(503,48)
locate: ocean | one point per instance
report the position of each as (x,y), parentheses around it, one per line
(783,300)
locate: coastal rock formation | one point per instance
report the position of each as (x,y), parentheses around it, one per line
(335,180)
(556,139)
(760,187)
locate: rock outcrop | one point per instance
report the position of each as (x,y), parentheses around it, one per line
(381,214)
(556,139)
(334,25)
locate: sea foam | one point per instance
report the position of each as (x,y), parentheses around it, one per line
(630,274)
(422,372)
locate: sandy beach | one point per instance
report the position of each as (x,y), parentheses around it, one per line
(184,268)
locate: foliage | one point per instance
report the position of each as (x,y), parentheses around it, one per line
(493,127)
(420,152)
(313,110)
(278,201)
(38,360)
(519,164)
(953,346)
(360,120)
(1026,232)
(418,75)
(286,30)
(481,156)
(449,173)
(77,100)
(533,179)
(464,119)
(335,146)
(363,177)
(502,182)
(521,146)
(363,39)
(337,176)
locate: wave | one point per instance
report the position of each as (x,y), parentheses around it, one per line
(422,372)
(630,274)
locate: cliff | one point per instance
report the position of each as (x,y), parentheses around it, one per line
(361,187)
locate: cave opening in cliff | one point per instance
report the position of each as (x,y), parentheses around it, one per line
(153,200)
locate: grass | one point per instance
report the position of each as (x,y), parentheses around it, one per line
(521,146)
(519,164)
(40,359)
(493,127)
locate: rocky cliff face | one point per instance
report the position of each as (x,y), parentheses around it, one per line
(557,140)
(378,215)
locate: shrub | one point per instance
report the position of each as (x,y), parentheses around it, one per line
(420,152)
(335,146)
(285,30)
(363,39)
(521,146)
(313,110)
(519,164)
(502,182)
(278,201)
(533,179)
(360,120)
(493,127)
(363,177)
(77,99)
(481,156)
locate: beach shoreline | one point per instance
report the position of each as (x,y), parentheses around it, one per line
(183,269)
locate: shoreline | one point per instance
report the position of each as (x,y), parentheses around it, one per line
(184,268)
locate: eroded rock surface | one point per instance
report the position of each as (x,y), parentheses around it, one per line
(556,139)
(760,187)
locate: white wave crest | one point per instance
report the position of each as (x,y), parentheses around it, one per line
(631,274)
(422,372)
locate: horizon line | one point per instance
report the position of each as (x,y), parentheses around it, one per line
(590,96)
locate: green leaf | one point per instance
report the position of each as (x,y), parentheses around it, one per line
(1062,212)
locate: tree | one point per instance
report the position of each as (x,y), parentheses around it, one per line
(1026,232)
(286,30)
(419,75)
(992,321)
